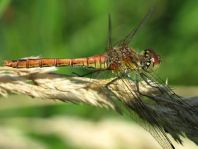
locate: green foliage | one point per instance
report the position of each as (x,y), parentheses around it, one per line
(52,141)
(3,5)
(83,111)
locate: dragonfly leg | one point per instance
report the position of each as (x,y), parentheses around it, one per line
(169,98)
(137,86)
(89,73)
(111,82)
(139,92)
(160,89)
(163,90)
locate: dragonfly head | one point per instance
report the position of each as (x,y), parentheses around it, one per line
(150,60)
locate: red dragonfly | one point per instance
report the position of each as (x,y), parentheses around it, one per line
(122,61)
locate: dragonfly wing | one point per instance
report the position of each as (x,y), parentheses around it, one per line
(135,103)
(127,39)
(184,116)
(110,46)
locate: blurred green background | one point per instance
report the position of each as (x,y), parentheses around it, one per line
(70,29)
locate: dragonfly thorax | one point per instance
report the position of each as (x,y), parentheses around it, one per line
(123,59)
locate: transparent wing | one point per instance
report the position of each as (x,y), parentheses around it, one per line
(136,103)
(165,91)
(110,46)
(127,39)
(186,114)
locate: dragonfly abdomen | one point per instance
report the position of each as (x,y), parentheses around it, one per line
(97,62)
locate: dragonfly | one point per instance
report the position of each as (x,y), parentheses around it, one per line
(122,61)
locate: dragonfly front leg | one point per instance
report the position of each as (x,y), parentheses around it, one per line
(140,93)
(157,98)
(162,90)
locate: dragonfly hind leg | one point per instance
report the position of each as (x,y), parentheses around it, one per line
(89,73)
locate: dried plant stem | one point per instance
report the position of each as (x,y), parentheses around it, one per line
(42,83)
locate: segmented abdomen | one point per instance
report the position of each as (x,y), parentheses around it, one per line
(97,62)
